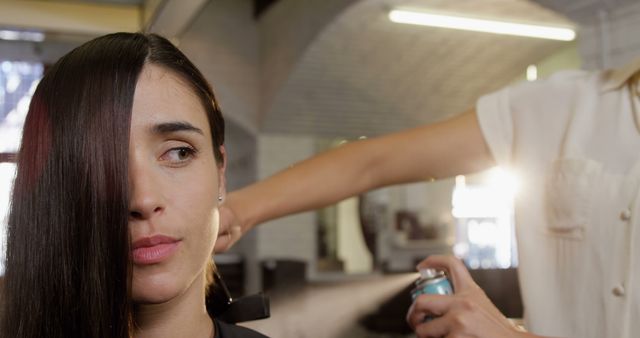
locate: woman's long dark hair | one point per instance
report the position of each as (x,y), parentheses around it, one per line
(68,272)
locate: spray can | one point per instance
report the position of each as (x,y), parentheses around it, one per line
(433,282)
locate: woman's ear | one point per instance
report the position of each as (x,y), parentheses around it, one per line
(222,180)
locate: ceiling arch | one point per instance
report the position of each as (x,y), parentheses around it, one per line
(364,75)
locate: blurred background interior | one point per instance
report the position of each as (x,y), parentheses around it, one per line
(296,77)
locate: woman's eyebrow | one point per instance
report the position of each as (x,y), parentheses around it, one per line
(172,127)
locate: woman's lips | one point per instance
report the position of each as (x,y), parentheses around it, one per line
(153,250)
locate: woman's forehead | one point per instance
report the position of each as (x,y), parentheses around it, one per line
(163,96)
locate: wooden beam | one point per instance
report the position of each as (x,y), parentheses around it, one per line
(69,18)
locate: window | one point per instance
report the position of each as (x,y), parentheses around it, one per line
(18,81)
(484,220)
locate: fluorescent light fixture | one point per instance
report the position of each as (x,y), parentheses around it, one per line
(481,25)
(12,35)
(532,73)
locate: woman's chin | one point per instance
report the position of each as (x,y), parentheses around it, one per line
(154,291)
(149,298)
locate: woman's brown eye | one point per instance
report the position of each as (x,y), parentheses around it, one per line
(182,153)
(179,155)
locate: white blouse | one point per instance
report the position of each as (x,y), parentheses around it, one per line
(574,141)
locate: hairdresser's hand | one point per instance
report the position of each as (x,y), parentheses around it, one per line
(230,229)
(466,313)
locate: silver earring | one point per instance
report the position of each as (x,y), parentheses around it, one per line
(219,198)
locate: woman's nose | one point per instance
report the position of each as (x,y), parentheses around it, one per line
(145,197)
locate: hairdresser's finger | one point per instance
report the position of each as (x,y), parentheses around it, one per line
(227,238)
(226,229)
(236,233)
(428,306)
(436,327)
(222,243)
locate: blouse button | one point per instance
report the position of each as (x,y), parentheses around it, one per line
(618,291)
(625,215)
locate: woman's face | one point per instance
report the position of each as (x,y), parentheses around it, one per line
(175,183)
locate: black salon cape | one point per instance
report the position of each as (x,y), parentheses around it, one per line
(224,330)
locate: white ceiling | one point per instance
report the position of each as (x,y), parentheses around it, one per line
(375,76)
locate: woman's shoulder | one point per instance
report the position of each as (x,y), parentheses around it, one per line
(224,330)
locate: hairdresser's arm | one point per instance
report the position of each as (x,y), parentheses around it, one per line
(439,150)
(466,313)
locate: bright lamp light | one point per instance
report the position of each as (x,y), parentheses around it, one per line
(482,25)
